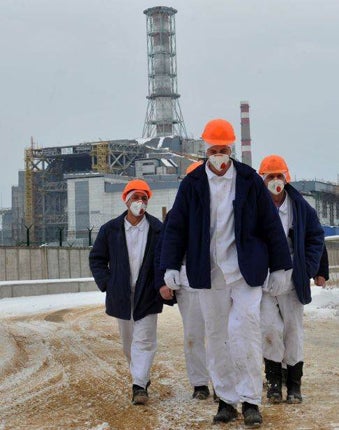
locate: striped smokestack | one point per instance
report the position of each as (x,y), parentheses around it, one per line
(246,154)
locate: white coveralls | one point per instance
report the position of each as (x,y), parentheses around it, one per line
(282,315)
(139,338)
(194,332)
(231,308)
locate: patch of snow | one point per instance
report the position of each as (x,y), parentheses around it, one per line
(15,306)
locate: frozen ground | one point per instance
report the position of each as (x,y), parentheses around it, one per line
(61,367)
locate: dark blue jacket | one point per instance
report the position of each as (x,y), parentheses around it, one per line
(109,263)
(308,242)
(260,238)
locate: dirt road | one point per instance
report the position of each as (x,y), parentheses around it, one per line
(65,370)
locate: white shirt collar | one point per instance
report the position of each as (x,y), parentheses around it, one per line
(140,226)
(212,176)
(284,206)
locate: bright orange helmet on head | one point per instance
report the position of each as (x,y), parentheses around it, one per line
(193,166)
(136,185)
(274,164)
(218,132)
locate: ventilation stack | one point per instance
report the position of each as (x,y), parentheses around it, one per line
(163,116)
(246,152)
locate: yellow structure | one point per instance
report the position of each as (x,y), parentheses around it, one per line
(100,156)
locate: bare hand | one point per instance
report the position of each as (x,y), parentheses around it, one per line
(166,293)
(320,281)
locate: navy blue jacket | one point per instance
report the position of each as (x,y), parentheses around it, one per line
(260,239)
(109,263)
(308,243)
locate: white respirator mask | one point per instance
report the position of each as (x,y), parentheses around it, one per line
(276,186)
(219,161)
(138,207)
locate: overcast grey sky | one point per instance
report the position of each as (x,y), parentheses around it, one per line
(75,71)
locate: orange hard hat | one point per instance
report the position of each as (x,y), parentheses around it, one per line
(274,164)
(218,132)
(136,185)
(193,166)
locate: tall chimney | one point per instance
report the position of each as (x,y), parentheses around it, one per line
(246,154)
(163,116)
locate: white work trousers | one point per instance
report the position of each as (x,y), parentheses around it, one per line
(139,343)
(234,345)
(194,336)
(282,328)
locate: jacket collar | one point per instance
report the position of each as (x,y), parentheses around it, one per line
(140,226)
(243,181)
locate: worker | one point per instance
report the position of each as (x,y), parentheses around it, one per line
(188,302)
(282,308)
(122,264)
(225,223)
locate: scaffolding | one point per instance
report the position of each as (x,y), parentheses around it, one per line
(29,167)
(46,187)
(163,116)
(100,156)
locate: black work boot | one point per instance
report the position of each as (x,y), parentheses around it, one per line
(201,392)
(225,414)
(293,383)
(273,371)
(139,394)
(252,416)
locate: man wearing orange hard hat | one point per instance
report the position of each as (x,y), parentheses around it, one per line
(122,264)
(225,222)
(282,306)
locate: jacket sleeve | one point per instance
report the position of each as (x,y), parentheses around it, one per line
(159,273)
(174,238)
(99,260)
(323,268)
(314,242)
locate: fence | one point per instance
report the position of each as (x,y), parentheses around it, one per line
(21,263)
(50,270)
(332,245)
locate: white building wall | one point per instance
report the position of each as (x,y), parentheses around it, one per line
(104,206)
(96,201)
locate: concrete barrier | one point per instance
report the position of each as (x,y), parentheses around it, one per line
(25,263)
(45,286)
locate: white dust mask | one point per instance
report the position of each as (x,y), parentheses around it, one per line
(275,186)
(138,207)
(219,161)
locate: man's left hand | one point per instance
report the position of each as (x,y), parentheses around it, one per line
(166,293)
(320,281)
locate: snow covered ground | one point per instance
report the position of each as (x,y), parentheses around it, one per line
(325,303)
(62,367)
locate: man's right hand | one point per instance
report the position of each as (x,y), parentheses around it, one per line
(280,282)
(172,279)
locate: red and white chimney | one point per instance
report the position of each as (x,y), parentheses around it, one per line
(246,153)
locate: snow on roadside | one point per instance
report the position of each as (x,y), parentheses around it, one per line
(325,303)
(15,306)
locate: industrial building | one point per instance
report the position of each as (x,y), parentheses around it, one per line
(324,197)
(54,193)
(65,193)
